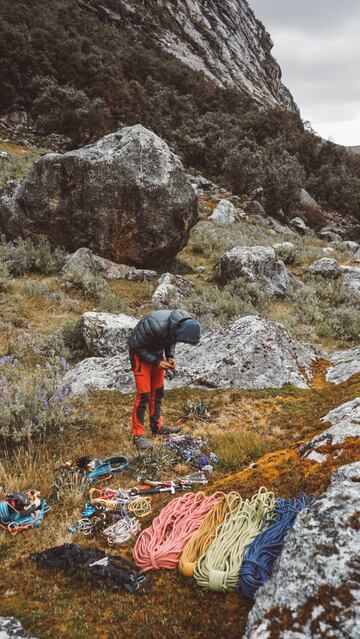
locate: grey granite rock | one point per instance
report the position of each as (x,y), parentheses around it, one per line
(84,260)
(314,592)
(325,267)
(172,290)
(11,628)
(345,364)
(106,334)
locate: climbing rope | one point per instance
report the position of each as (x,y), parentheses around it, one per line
(140,507)
(260,555)
(219,568)
(122,531)
(160,545)
(110,466)
(199,543)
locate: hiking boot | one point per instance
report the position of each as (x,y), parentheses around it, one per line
(166,430)
(142,443)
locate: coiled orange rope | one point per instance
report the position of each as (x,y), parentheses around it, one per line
(201,540)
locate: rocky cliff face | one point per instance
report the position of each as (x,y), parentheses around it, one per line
(222,38)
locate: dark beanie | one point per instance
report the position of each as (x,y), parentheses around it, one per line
(188,331)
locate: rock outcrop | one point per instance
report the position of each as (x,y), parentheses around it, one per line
(314,589)
(127,198)
(105,334)
(172,290)
(345,364)
(223,39)
(250,353)
(257,265)
(345,423)
(84,260)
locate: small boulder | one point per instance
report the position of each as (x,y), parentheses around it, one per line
(225,213)
(100,374)
(127,198)
(105,334)
(11,628)
(298,224)
(325,267)
(306,200)
(255,208)
(285,251)
(351,281)
(330,234)
(172,290)
(344,365)
(328,250)
(348,245)
(4,155)
(257,265)
(313,589)
(84,260)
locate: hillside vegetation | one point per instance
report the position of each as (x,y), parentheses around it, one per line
(82,77)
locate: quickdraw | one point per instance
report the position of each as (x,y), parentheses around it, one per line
(190,450)
(122,531)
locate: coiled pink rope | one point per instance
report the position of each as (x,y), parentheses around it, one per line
(161,544)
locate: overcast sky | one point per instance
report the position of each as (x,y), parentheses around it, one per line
(317,45)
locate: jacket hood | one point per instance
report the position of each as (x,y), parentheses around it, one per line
(187,331)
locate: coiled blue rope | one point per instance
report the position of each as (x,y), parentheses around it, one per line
(260,555)
(110,466)
(12,520)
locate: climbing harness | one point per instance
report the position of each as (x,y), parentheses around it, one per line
(101,569)
(160,545)
(200,541)
(20,511)
(122,531)
(260,555)
(219,568)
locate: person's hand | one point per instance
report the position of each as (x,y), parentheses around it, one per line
(172,362)
(164,365)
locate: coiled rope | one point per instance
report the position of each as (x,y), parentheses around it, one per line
(260,555)
(110,466)
(219,568)
(160,545)
(201,540)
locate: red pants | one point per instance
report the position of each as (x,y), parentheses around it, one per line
(149,382)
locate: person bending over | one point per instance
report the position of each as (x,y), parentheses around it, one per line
(152,350)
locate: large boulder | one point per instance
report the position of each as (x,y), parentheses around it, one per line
(172,290)
(298,224)
(85,260)
(257,265)
(313,590)
(250,353)
(127,198)
(344,365)
(345,423)
(105,334)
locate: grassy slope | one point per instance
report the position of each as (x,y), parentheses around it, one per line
(262,426)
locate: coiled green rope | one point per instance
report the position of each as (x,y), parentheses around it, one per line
(219,568)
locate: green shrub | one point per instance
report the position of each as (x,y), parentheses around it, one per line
(33,407)
(88,284)
(31,256)
(5,280)
(72,334)
(342,324)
